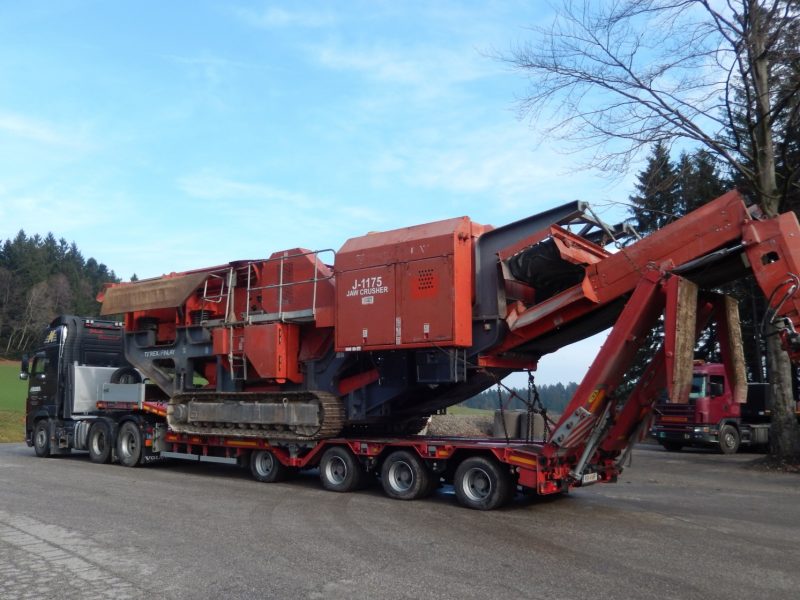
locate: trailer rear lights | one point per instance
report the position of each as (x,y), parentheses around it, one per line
(440,451)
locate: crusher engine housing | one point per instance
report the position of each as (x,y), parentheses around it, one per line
(400,325)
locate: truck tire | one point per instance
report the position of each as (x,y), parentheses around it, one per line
(340,470)
(41,438)
(404,476)
(266,467)
(126,375)
(129,444)
(728,439)
(672,446)
(481,483)
(100,443)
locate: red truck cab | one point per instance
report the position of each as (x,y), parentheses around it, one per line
(710,417)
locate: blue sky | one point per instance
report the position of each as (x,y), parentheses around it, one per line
(165,136)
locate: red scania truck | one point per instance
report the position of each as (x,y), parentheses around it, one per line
(290,363)
(711,418)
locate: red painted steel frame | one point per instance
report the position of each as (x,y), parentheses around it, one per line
(533,471)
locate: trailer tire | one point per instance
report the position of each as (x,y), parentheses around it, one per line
(340,470)
(266,468)
(129,445)
(100,443)
(481,483)
(404,476)
(672,446)
(728,439)
(41,438)
(126,375)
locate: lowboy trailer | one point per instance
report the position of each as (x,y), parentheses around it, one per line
(288,363)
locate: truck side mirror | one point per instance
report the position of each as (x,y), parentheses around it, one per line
(24,368)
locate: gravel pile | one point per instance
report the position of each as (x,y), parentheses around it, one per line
(461,425)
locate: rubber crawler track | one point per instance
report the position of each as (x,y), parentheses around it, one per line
(331,411)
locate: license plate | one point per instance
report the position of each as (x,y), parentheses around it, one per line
(589,478)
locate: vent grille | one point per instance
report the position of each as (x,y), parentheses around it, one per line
(425,279)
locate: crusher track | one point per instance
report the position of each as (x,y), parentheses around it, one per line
(186,405)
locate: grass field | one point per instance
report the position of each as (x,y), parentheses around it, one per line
(465,410)
(12,403)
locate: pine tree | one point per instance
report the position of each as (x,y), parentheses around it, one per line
(656,201)
(698,181)
(40,278)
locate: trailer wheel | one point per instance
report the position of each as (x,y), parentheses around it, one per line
(266,468)
(100,443)
(482,483)
(340,471)
(41,438)
(404,476)
(728,439)
(129,444)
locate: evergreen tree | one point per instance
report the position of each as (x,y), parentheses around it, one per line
(698,180)
(656,201)
(664,192)
(39,279)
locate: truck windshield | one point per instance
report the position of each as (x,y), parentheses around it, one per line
(699,384)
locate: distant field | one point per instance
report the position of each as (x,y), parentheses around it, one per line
(465,410)
(12,403)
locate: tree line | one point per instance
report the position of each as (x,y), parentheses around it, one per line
(41,277)
(553,397)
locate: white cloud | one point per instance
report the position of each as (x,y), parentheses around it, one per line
(426,66)
(64,212)
(37,130)
(274,17)
(496,160)
(265,219)
(209,187)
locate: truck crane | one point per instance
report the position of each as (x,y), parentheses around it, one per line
(290,362)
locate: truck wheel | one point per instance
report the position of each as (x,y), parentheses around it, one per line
(129,444)
(100,443)
(41,438)
(340,471)
(483,484)
(266,468)
(672,446)
(404,476)
(728,439)
(126,375)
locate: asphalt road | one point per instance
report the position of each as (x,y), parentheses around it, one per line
(689,525)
